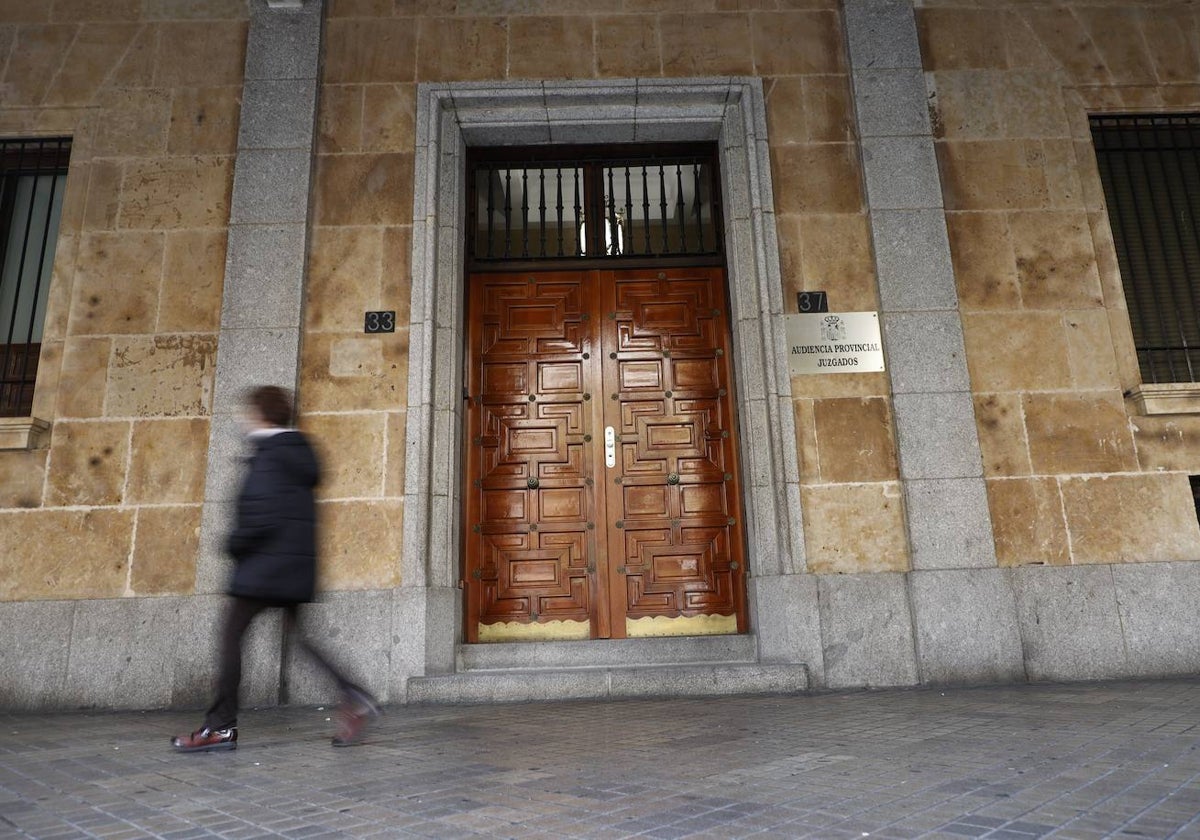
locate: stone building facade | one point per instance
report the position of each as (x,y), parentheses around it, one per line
(1009,500)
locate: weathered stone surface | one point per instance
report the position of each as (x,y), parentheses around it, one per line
(967,629)
(360,544)
(550,48)
(628,46)
(344,277)
(193,276)
(369,372)
(166,543)
(1015,351)
(163,375)
(1002,440)
(706,44)
(364,189)
(797,42)
(868,632)
(1028,522)
(167,462)
(1070,626)
(388,117)
(176,192)
(1157,603)
(948,524)
(1168,443)
(373,50)
(853,528)
(450,49)
(87,464)
(1056,261)
(204,121)
(985,268)
(855,440)
(32,672)
(351,447)
(1131,518)
(100,306)
(1090,349)
(397,423)
(83,377)
(198,53)
(22,475)
(67,554)
(340,119)
(817,178)
(133,122)
(352,629)
(1082,432)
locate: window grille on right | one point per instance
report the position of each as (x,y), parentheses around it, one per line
(1150,168)
(33,176)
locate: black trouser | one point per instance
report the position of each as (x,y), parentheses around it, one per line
(241,612)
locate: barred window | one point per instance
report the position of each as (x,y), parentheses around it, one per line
(33,176)
(1150,168)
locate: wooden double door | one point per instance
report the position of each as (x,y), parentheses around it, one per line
(602,485)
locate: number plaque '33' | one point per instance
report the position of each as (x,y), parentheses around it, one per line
(380,322)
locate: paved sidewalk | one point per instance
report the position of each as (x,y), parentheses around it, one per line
(1075,761)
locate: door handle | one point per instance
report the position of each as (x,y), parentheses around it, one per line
(610,447)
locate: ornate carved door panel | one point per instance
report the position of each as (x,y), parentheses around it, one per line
(559,543)
(673,497)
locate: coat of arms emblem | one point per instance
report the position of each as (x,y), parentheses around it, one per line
(832,328)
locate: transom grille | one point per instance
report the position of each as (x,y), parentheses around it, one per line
(527,208)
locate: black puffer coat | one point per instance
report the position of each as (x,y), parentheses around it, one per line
(274,539)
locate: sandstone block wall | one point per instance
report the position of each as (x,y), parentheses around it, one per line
(148,91)
(1075,475)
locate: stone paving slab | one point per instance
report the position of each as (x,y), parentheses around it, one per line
(1074,762)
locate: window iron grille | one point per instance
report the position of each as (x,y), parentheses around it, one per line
(1150,169)
(594,208)
(33,175)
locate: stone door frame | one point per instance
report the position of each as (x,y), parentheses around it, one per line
(449,118)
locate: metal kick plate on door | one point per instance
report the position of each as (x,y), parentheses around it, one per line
(610,447)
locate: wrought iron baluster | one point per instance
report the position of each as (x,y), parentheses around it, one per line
(542,208)
(559,207)
(646,210)
(524,212)
(614,230)
(580,228)
(491,208)
(662,203)
(697,208)
(679,208)
(629,208)
(507,213)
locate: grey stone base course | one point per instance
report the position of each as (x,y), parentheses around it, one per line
(1106,622)
(794,632)
(866,629)
(354,631)
(598,683)
(938,626)
(966,627)
(126,653)
(607,653)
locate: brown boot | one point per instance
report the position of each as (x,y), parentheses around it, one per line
(206,740)
(356,710)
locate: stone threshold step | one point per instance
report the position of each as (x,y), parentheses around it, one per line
(604,653)
(602,683)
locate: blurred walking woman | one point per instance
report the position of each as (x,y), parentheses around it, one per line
(274,548)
